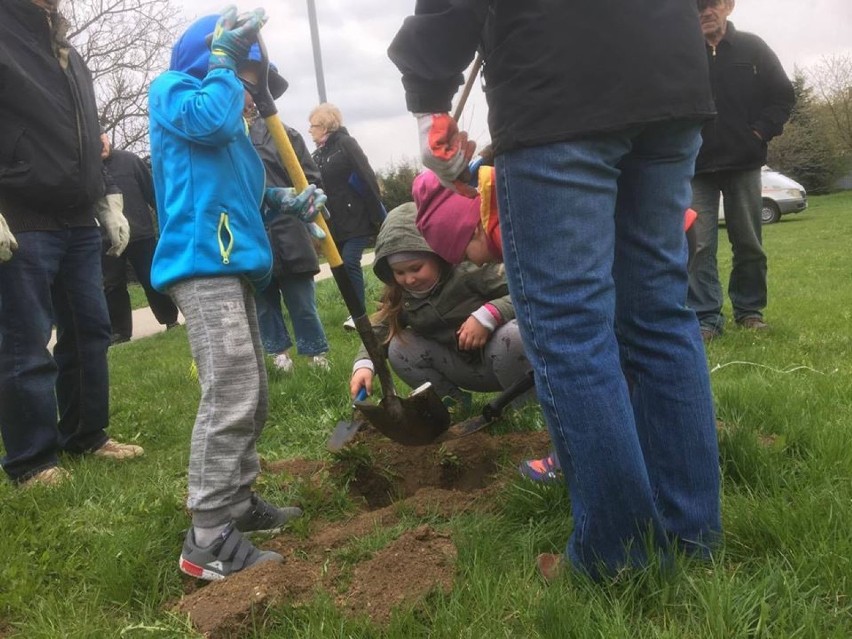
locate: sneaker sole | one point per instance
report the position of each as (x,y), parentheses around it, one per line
(199,572)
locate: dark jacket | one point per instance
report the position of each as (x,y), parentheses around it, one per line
(559,69)
(461,290)
(133,178)
(292,248)
(50,164)
(752,93)
(353,214)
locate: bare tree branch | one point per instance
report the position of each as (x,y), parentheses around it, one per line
(831,79)
(125,44)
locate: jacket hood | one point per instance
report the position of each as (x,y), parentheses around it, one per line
(191,54)
(398,233)
(446,219)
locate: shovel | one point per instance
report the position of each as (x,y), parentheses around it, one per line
(491,412)
(402,420)
(345,431)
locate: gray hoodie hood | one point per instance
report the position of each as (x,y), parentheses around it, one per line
(398,233)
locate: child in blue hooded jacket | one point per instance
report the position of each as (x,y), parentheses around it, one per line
(212,256)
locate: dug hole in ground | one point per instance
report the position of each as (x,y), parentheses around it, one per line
(385,480)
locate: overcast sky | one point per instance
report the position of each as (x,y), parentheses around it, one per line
(360,79)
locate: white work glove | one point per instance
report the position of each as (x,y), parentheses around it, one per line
(446,150)
(110,213)
(8,243)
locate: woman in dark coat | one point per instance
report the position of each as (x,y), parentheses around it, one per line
(354,200)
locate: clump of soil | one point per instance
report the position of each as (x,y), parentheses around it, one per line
(385,478)
(385,582)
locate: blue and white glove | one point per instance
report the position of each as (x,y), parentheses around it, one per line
(233,37)
(306,206)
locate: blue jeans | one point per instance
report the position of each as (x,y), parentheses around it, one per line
(351,251)
(747,286)
(52,276)
(596,262)
(299,293)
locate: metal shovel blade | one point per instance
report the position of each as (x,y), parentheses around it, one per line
(345,431)
(416,420)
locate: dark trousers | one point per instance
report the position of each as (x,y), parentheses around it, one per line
(53,277)
(747,284)
(140,254)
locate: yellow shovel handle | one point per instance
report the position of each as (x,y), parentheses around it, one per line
(300,182)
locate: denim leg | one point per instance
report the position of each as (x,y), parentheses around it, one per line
(117,296)
(747,286)
(300,299)
(565,297)
(661,350)
(27,369)
(351,251)
(140,253)
(273,330)
(82,338)
(705,291)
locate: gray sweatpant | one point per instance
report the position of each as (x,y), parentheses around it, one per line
(417,359)
(221,322)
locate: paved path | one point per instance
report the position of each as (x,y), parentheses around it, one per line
(145,324)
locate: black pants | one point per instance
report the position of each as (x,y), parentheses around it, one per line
(140,254)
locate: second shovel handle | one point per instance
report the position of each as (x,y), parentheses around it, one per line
(493,409)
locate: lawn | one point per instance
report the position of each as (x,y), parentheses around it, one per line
(97,557)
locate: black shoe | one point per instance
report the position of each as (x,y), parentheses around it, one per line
(118,338)
(754,323)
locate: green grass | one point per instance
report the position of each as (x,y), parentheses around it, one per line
(97,557)
(137,296)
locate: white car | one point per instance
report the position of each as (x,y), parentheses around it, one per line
(781,196)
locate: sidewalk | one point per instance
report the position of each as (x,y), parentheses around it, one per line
(145,324)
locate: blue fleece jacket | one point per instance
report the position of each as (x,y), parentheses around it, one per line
(209,180)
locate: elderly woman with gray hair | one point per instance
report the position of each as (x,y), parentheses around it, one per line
(354,200)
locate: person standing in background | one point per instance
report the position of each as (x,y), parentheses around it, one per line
(754,99)
(133,179)
(354,199)
(295,261)
(52,189)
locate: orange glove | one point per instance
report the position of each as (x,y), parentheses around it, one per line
(446,151)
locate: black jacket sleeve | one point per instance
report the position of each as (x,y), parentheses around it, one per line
(145,181)
(779,96)
(110,187)
(432,49)
(365,172)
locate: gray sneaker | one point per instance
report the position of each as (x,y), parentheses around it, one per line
(263,517)
(230,553)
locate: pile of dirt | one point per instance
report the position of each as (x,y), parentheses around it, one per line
(385,478)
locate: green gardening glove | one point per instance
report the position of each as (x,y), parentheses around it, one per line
(233,37)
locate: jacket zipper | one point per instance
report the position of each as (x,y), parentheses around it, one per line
(225,251)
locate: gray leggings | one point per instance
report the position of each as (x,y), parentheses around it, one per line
(221,322)
(417,359)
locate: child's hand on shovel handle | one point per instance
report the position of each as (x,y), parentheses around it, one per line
(362,378)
